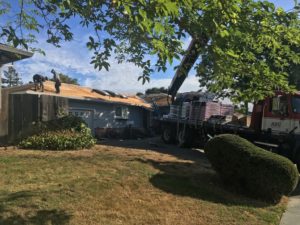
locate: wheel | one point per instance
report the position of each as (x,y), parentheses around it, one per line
(298,164)
(168,135)
(297,160)
(185,139)
(285,150)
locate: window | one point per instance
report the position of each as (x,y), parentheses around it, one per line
(296,104)
(121,112)
(279,105)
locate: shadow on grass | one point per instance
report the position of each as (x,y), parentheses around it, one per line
(193,180)
(156,145)
(33,215)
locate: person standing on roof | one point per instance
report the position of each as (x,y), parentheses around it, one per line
(38,81)
(57,81)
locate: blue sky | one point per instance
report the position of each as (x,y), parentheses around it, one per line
(73,59)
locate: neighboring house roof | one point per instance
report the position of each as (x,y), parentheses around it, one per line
(159,99)
(82,93)
(9,54)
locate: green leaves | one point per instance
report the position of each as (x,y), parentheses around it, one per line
(254,59)
(249,47)
(66,133)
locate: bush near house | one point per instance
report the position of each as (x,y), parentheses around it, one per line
(250,169)
(64,123)
(65,133)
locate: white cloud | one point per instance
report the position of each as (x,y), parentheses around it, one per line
(123,78)
(74,59)
(71,58)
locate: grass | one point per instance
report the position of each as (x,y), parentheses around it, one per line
(120,185)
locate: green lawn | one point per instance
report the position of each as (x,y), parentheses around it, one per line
(121,185)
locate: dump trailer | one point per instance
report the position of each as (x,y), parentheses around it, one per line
(275,121)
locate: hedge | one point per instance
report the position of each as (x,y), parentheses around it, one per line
(250,169)
(67,133)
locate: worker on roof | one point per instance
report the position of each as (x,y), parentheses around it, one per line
(38,81)
(57,81)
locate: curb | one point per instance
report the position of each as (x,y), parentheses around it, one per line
(292,214)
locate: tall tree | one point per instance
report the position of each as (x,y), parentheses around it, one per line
(67,79)
(11,77)
(239,38)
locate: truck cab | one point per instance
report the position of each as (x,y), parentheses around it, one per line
(279,114)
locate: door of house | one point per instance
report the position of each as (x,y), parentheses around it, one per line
(86,115)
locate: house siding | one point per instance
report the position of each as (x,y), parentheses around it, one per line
(19,111)
(104,114)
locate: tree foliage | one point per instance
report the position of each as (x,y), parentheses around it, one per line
(252,59)
(294,74)
(11,77)
(246,46)
(156,90)
(67,79)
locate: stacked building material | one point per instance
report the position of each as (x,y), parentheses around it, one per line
(226,110)
(209,109)
(185,110)
(195,112)
(174,110)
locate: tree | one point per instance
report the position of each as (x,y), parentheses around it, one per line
(67,79)
(237,38)
(294,73)
(11,77)
(256,56)
(294,77)
(156,90)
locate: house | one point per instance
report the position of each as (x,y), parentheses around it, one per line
(107,113)
(8,54)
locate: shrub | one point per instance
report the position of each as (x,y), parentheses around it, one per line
(250,169)
(64,123)
(66,133)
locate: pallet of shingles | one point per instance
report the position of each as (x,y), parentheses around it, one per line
(185,110)
(210,109)
(194,112)
(174,109)
(227,110)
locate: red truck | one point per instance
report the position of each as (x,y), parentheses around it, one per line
(275,121)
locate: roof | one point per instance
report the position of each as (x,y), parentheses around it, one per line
(162,99)
(9,54)
(82,93)
(159,99)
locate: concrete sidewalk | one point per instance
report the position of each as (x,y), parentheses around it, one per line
(292,213)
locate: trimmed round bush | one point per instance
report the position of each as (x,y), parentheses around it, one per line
(250,169)
(67,133)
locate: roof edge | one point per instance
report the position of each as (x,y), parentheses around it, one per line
(15,50)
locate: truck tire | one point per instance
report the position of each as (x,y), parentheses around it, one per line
(185,140)
(168,135)
(297,160)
